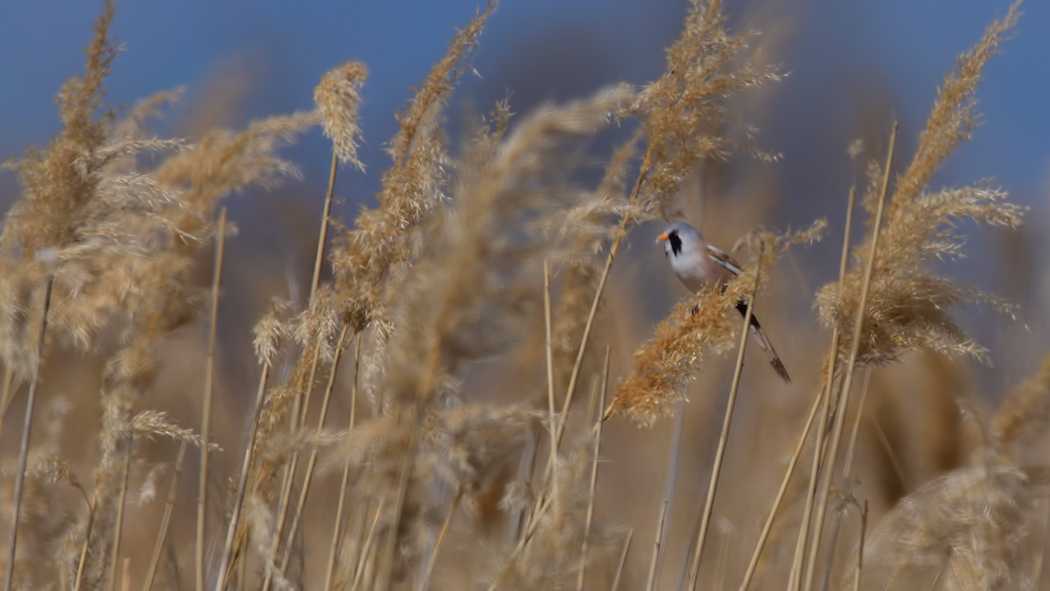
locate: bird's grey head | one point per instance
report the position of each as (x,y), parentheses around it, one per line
(679,236)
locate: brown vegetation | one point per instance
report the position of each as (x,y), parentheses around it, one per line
(404,432)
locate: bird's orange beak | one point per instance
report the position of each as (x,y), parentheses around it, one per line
(661,237)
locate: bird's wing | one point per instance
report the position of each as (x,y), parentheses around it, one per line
(723,260)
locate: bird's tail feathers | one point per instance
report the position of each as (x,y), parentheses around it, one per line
(765,344)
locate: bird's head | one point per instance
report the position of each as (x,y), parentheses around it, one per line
(677,236)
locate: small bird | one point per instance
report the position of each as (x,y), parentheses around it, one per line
(697,263)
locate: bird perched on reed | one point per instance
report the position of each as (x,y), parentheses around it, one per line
(697,263)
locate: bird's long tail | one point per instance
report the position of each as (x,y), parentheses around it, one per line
(763,341)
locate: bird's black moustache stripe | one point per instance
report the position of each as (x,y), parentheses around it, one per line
(676,242)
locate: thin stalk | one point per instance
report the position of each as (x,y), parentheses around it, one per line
(84,547)
(577,365)
(848,466)
(312,463)
(333,551)
(323,233)
(723,439)
(165,521)
(594,477)
(209,379)
(1037,575)
(302,403)
(7,396)
(298,416)
(623,560)
(242,483)
(387,559)
(860,546)
(658,543)
(23,452)
(940,572)
(818,451)
(613,250)
(894,459)
(242,568)
(836,523)
(367,549)
(550,365)
(836,438)
(669,487)
(432,561)
(115,553)
(753,565)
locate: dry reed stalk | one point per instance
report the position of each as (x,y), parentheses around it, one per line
(432,560)
(753,565)
(362,563)
(385,568)
(242,571)
(1037,575)
(940,573)
(119,529)
(242,483)
(297,418)
(209,385)
(165,521)
(623,560)
(848,465)
(7,397)
(844,394)
(602,279)
(312,463)
(550,366)
(860,545)
(594,474)
(337,530)
(125,575)
(723,439)
(323,233)
(826,389)
(658,544)
(84,548)
(23,451)
(669,487)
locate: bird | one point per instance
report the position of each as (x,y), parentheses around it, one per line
(698,263)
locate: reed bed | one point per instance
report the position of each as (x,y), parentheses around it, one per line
(464,395)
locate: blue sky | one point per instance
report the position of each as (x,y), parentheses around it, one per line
(543,49)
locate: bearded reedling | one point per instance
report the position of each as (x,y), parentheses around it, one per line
(697,264)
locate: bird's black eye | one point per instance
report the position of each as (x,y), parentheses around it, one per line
(676,242)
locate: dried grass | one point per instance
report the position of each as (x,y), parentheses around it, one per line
(439,285)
